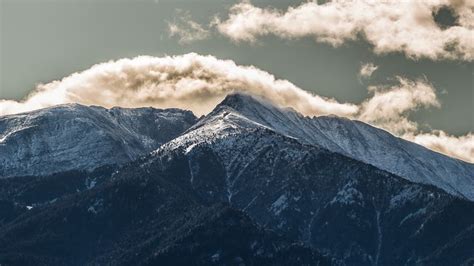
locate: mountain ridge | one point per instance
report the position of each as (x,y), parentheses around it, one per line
(262,183)
(127,140)
(74,136)
(342,135)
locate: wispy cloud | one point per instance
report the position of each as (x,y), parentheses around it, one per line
(461,147)
(367,69)
(389,26)
(389,107)
(186,29)
(198,83)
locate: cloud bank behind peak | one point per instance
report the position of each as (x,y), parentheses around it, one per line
(190,81)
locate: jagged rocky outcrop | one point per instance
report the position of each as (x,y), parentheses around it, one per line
(77,137)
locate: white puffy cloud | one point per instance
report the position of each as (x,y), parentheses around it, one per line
(367,69)
(186,29)
(189,81)
(389,26)
(198,83)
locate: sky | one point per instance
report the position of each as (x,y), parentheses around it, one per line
(334,51)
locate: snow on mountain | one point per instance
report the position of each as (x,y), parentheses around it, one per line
(349,137)
(245,153)
(79,137)
(74,136)
(246,156)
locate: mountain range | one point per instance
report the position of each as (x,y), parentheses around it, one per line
(74,136)
(248,184)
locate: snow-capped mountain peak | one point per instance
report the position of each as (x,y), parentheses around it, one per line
(358,140)
(74,136)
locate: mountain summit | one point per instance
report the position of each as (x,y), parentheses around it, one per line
(352,138)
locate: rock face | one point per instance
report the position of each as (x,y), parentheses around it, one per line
(238,188)
(73,136)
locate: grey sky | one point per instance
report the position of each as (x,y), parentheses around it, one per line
(46,40)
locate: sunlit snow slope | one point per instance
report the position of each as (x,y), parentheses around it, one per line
(349,137)
(79,137)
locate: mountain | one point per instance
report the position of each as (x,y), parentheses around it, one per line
(79,137)
(357,212)
(236,189)
(359,141)
(136,219)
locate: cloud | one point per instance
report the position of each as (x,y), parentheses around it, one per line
(461,147)
(198,83)
(189,81)
(186,29)
(389,107)
(367,69)
(389,26)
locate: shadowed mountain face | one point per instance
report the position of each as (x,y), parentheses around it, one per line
(78,137)
(237,188)
(142,220)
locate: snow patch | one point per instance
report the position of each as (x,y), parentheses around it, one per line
(418,213)
(348,195)
(406,195)
(279,205)
(90,183)
(190,148)
(216,257)
(379,237)
(96,206)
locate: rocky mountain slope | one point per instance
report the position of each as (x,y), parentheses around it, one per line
(136,219)
(356,140)
(74,136)
(358,213)
(237,189)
